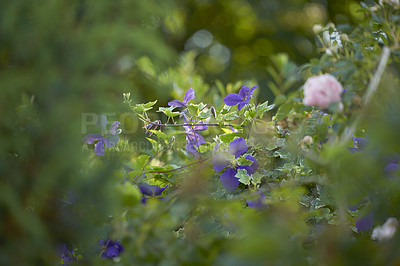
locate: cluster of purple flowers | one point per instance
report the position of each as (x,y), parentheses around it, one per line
(193,138)
(228,178)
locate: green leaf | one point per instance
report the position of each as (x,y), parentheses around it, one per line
(256,178)
(141,161)
(206,113)
(230,116)
(262,108)
(143,107)
(174,133)
(244,178)
(135,173)
(160,134)
(244,161)
(225,109)
(153,143)
(149,104)
(226,138)
(168,111)
(283,111)
(129,194)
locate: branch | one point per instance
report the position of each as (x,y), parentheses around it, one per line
(371,89)
(192,125)
(179,168)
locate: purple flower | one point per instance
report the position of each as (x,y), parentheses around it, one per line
(258,203)
(193,138)
(189,95)
(358,144)
(152,191)
(110,140)
(365,223)
(110,249)
(392,164)
(228,179)
(67,256)
(242,98)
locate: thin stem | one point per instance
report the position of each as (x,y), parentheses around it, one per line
(190,125)
(371,89)
(179,168)
(169,171)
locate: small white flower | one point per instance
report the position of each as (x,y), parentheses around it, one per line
(386,231)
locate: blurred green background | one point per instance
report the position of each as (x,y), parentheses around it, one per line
(62,59)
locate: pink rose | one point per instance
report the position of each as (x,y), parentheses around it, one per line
(322,91)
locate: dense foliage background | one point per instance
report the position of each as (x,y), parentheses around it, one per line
(63,62)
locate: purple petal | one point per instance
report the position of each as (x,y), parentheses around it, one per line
(243,92)
(390,168)
(360,143)
(157,190)
(219,162)
(232,99)
(246,93)
(146,189)
(98,148)
(216,148)
(243,104)
(190,148)
(113,249)
(254,165)
(365,223)
(258,204)
(176,103)
(92,137)
(113,128)
(112,252)
(111,141)
(237,147)
(200,127)
(229,180)
(195,138)
(189,95)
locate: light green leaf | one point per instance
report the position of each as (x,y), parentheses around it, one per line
(168,111)
(244,178)
(226,138)
(153,143)
(141,161)
(283,111)
(244,161)
(256,178)
(149,104)
(160,134)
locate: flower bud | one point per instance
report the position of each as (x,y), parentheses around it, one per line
(344,37)
(317,28)
(308,140)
